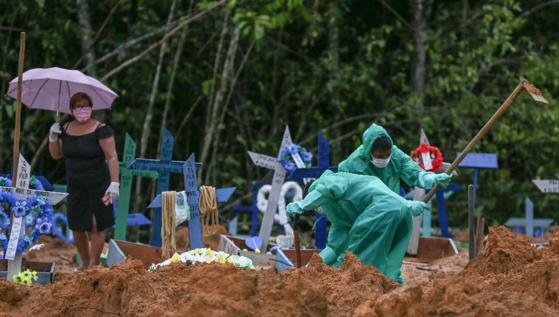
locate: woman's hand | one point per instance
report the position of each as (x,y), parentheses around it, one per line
(111,194)
(106,199)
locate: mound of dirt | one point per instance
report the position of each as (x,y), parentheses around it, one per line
(201,290)
(55,250)
(509,278)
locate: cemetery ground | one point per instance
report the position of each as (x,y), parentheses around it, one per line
(510,277)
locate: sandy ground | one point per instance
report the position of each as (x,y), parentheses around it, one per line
(509,278)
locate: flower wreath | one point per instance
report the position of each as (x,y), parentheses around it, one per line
(434,153)
(286,156)
(36,210)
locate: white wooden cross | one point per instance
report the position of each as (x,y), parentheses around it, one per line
(418,194)
(280,173)
(547,185)
(21,191)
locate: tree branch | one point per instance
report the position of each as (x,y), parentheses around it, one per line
(165,38)
(398,16)
(97,35)
(538,8)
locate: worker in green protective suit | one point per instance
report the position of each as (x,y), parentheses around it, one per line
(367,218)
(378,156)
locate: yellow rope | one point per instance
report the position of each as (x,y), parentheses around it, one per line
(169,246)
(208,208)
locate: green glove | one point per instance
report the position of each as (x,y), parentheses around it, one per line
(417,207)
(293,211)
(443,179)
(428,180)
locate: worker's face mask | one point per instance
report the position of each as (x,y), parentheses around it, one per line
(380,163)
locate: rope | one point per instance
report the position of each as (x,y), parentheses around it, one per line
(169,246)
(208,208)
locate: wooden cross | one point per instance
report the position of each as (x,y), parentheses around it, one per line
(547,185)
(21,191)
(164,166)
(126,175)
(193,198)
(272,163)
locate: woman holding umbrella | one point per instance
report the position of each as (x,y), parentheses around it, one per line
(87,146)
(92,172)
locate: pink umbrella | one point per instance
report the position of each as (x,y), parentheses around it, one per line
(52,88)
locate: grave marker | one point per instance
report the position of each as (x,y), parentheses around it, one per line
(547,185)
(193,198)
(164,166)
(22,191)
(277,181)
(126,175)
(477,161)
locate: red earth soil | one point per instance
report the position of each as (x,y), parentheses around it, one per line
(509,278)
(200,290)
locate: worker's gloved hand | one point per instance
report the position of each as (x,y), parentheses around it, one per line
(293,211)
(54,132)
(443,179)
(417,207)
(428,180)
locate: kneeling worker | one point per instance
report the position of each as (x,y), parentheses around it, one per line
(368,219)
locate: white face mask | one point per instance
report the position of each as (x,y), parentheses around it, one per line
(380,163)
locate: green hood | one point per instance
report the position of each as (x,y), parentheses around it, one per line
(370,135)
(401,166)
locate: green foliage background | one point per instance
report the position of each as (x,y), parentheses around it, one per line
(334,66)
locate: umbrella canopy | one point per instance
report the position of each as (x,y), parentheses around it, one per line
(52,88)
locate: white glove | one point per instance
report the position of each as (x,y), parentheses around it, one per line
(54,132)
(113,191)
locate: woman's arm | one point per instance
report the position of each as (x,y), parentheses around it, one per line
(55,149)
(109,148)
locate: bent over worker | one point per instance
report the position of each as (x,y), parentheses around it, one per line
(368,219)
(378,156)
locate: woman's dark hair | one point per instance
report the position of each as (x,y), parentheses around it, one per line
(80,96)
(382,143)
(73,100)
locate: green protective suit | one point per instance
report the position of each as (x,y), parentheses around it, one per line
(367,218)
(401,165)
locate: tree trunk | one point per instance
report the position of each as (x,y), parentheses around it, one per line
(174,67)
(86,31)
(149,113)
(334,52)
(211,113)
(220,105)
(420,49)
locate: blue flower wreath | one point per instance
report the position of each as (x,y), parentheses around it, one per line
(37,212)
(286,158)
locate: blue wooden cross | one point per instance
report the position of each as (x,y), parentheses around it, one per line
(477,161)
(529,223)
(251,209)
(323,164)
(164,166)
(193,198)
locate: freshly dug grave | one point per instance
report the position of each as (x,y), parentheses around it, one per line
(509,278)
(200,290)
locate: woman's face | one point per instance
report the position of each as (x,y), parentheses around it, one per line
(82,110)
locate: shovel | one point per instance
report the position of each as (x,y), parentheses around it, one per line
(524,85)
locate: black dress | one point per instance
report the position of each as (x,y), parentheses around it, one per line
(88,178)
